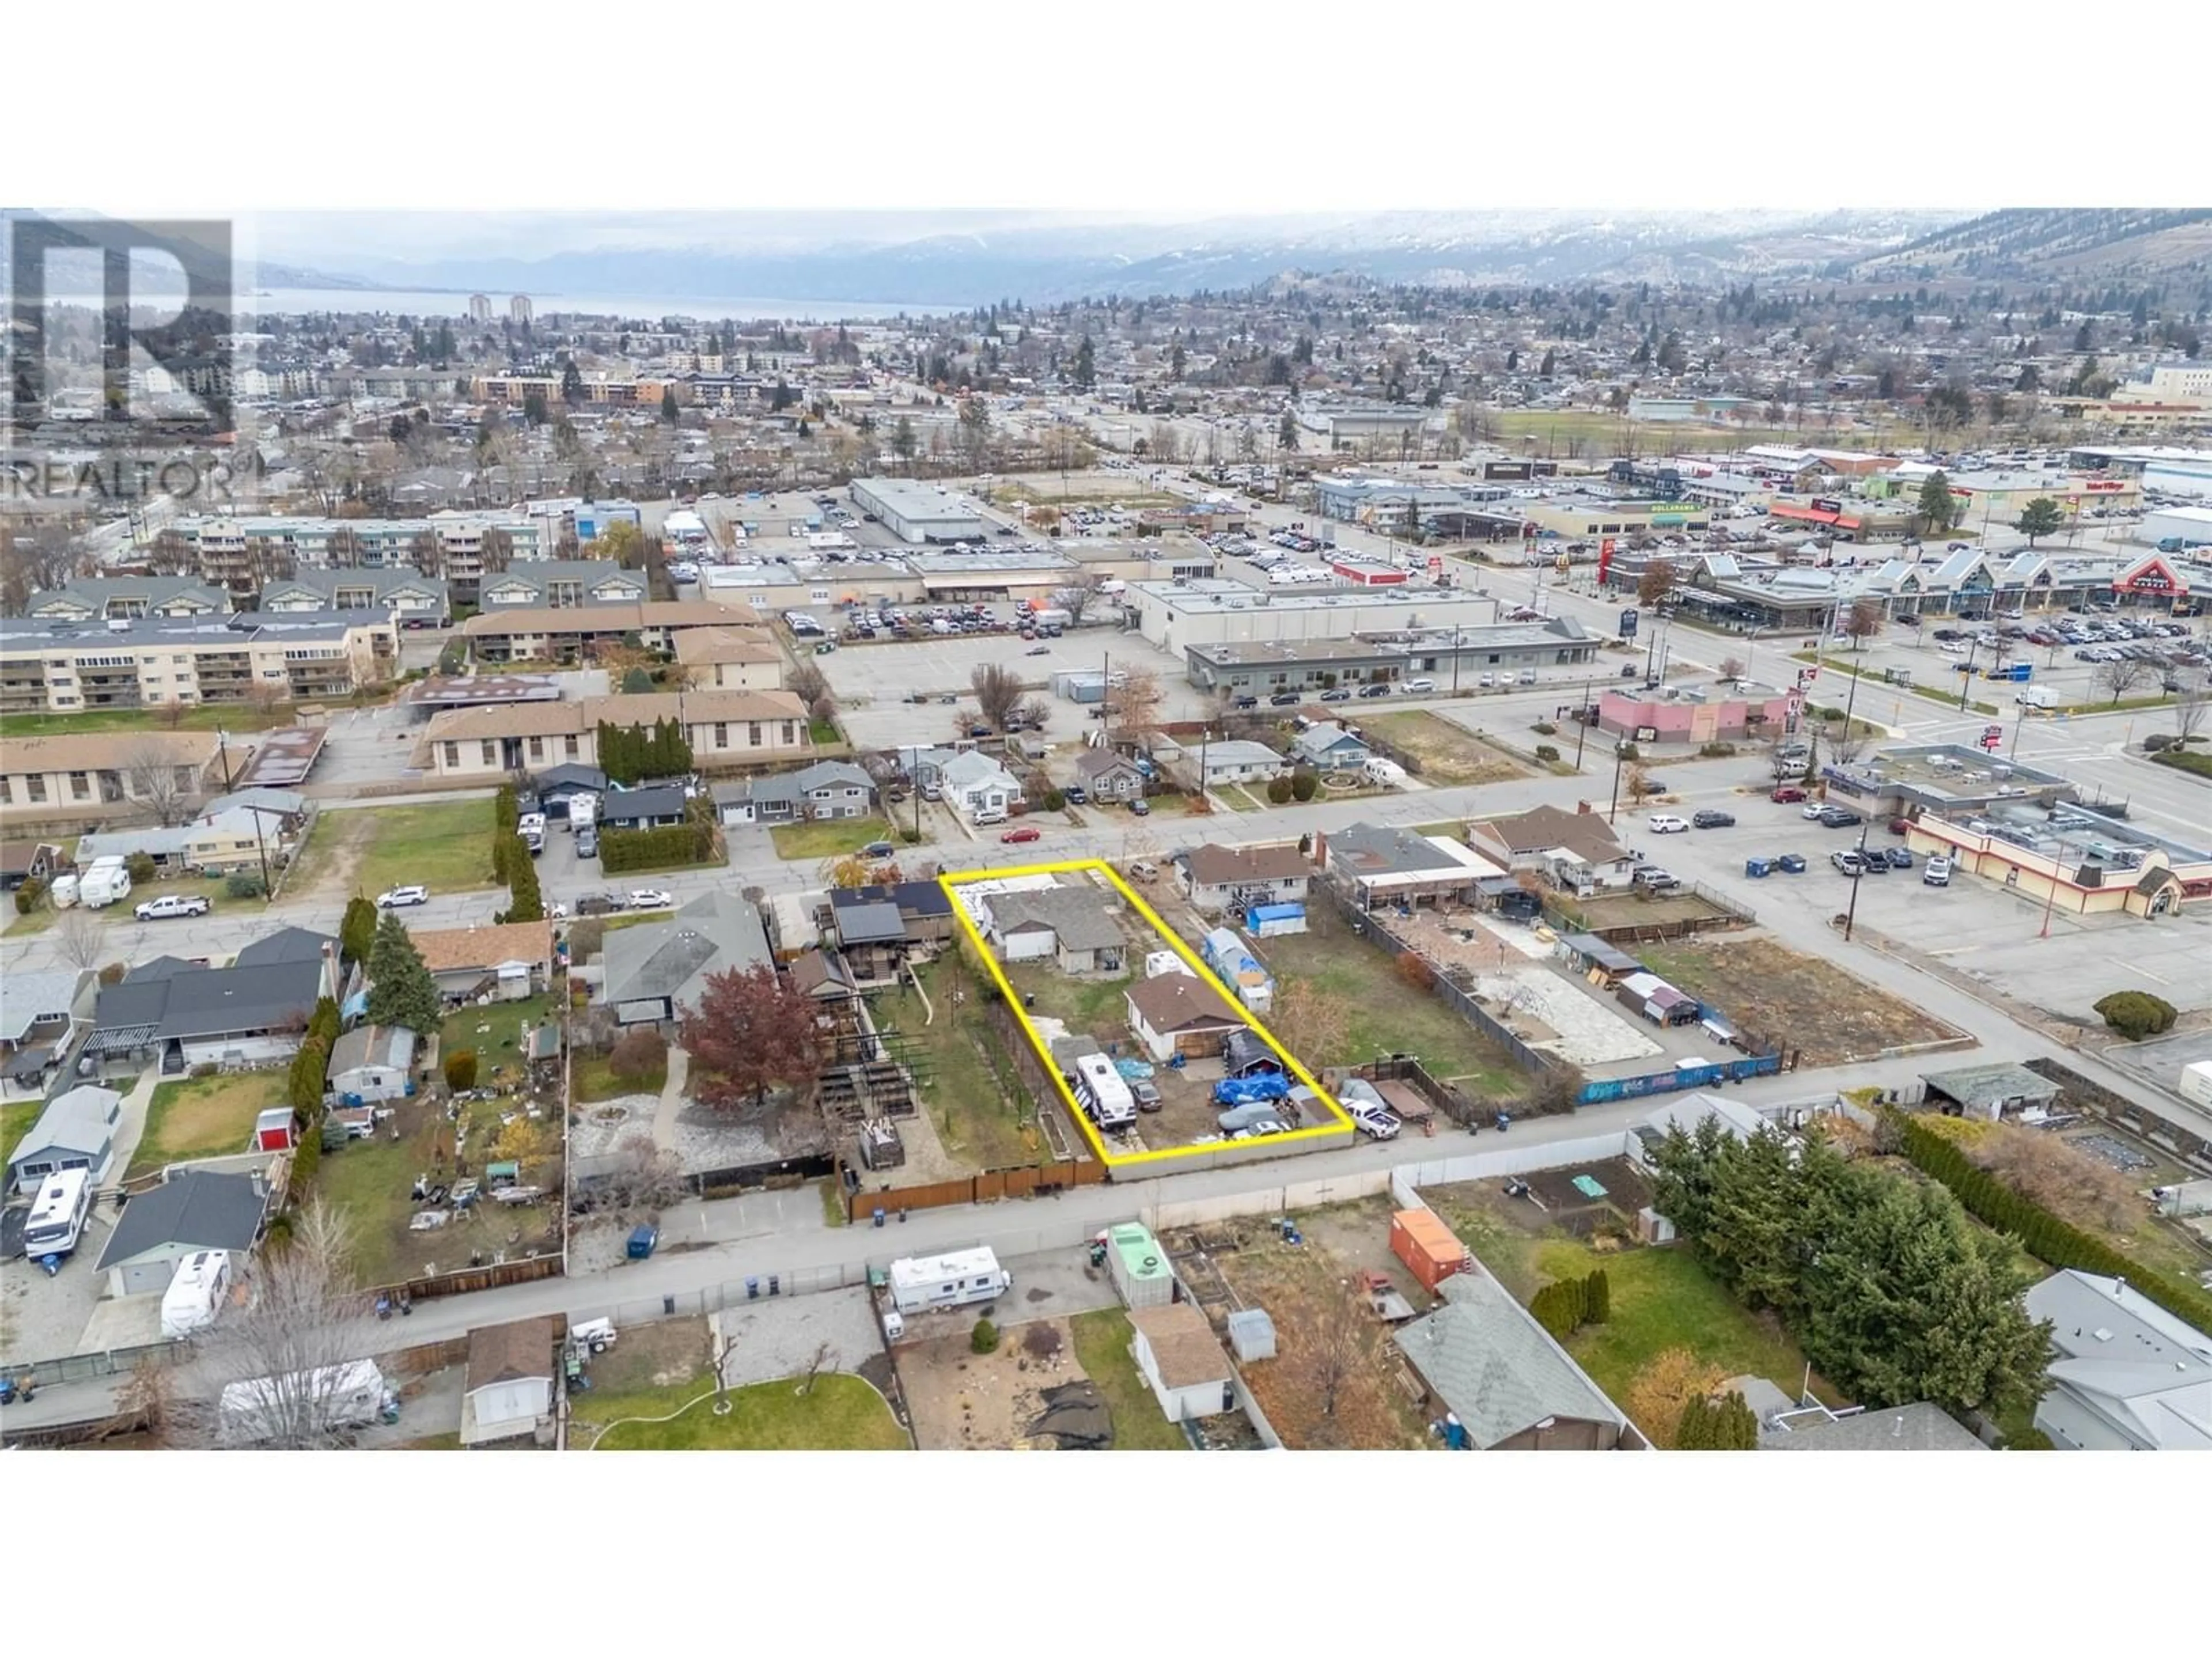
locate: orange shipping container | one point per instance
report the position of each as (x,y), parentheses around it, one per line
(1430,1249)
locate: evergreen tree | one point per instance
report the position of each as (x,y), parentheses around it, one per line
(1601,1297)
(357,933)
(401,990)
(525,901)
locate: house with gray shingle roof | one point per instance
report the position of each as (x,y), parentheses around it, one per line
(650,974)
(1485,1360)
(194,1210)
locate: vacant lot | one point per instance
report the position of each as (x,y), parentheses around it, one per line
(1638,909)
(827,838)
(204,1117)
(1774,992)
(1449,755)
(1662,1299)
(835,1413)
(445,846)
(1381,1014)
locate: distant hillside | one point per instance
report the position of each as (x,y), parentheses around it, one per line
(2034,242)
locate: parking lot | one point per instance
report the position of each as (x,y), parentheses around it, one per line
(874,684)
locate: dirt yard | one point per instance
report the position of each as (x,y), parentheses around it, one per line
(1449,754)
(1646,909)
(961,1400)
(1770,991)
(1326,1341)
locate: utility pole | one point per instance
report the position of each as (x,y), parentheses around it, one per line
(1583,718)
(1620,754)
(222,749)
(1851,912)
(1966,676)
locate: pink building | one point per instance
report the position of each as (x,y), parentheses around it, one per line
(1721,716)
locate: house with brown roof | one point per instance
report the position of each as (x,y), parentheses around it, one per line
(509,960)
(518,633)
(728,729)
(729,659)
(1180,1013)
(1575,851)
(1216,878)
(1176,1353)
(508,1392)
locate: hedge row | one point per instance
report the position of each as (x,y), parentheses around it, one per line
(2046,1236)
(689,842)
(1565,1306)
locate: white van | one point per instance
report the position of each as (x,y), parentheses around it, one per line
(2036,696)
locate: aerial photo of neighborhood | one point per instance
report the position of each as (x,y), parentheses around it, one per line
(1066,845)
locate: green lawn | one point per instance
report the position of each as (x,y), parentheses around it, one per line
(22,926)
(445,846)
(367,1182)
(500,1045)
(1096,1005)
(1383,1016)
(204,717)
(204,1117)
(827,838)
(1102,1348)
(840,1413)
(594,1079)
(16,1118)
(982,1114)
(1603,433)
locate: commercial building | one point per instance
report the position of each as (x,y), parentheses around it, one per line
(1581,516)
(1345,426)
(1177,615)
(1456,659)
(68,668)
(1693,714)
(916,513)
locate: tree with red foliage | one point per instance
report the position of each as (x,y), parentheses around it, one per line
(750,1031)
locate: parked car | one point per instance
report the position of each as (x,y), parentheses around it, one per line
(1076,795)
(1936,872)
(1665,823)
(1244,703)
(1710,819)
(1420,686)
(397,898)
(1284,700)
(1794,863)
(1899,858)
(1653,879)
(1839,817)
(652,899)
(1377,691)
(1337,694)
(1787,794)
(1377,1122)
(1147,1094)
(172,904)
(877,849)
(1848,862)
(1026,832)
(1141,807)
(1812,808)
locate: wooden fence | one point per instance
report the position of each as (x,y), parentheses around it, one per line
(463,1281)
(1026,1181)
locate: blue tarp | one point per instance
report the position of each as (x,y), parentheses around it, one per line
(1260,913)
(1248,1090)
(1134,1070)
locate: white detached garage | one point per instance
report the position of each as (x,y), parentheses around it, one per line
(1177,1353)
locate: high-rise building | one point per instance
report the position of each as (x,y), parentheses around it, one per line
(518,308)
(479,307)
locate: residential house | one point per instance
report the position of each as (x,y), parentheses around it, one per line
(184,1015)
(652,808)
(1576,852)
(372,1063)
(1218,879)
(729,659)
(1327,747)
(507,1389)
(29,860)
(1180,1013)
(976,786)
(1509,1386)
(292,945)
(1377,864)
(827,789)
(194,1210)
(90,777)
(1109,778)
(1071,925)
(1917,1427)
(217,842)
(76,1131)
(508,961)
(2129,1376)
(1178,1357)
(1238,761)
(824,976)
(37,1018)
(650,974)
(557,785)
(875,927)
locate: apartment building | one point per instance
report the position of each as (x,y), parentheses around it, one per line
(517,634)
(66,667)
(409,596)
(127,598)
(599,388)
(726,729)
(564,585)
(90,778)
(241,554)
(729,659)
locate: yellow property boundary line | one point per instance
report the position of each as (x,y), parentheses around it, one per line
(952,881)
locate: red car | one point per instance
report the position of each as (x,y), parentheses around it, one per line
(1788,791)
(1027,832)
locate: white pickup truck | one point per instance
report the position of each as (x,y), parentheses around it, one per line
(172,904)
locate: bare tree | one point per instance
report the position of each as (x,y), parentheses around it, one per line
(1657,584)
(158,782)
(1340,1345)
(2188,706)
(79,938)
(812,687)
(1077,597)
(169,554)
(1321,1021)
(997,690)
(1132,707)
(2120,676)
(1847,740)
(1863,622)
(291,1346)
(1731,669)
(641,1178)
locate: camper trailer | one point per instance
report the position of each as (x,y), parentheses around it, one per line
(1104,1096)
(1233,965)
(328,1401)
(920,1283)
(105,883)
(195,1295)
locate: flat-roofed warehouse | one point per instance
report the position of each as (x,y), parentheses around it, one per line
(914,512)
(1173,615)
(1452,657)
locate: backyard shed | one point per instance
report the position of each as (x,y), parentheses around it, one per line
(1657,1000)
(1139,1266)
(1266,921)
(1176,1351)
(1252,1334)
(1430,1249)
(1595,960)
(509,1388)
(1990,1091)
(372,1063)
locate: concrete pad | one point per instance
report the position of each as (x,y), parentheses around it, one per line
(126,1322)
(778,1336)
